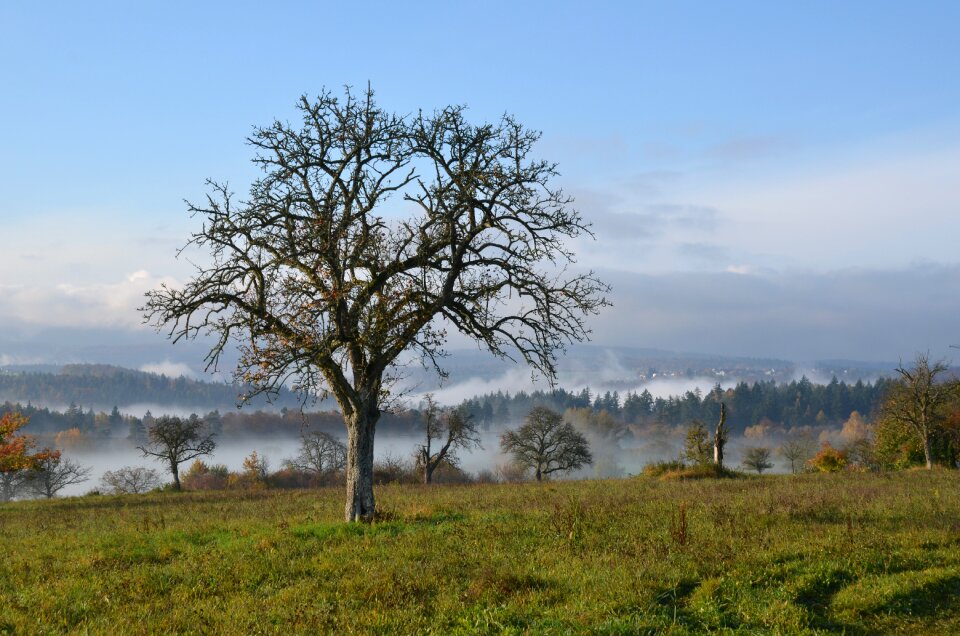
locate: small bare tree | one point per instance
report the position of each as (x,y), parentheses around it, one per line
(174,440)
(320,453)
(327,293)
(797,450)
(919,400)
(451,430)
(13,483)
(131,480)
(547,444)
(56,472)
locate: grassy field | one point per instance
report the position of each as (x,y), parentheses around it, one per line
(857,553)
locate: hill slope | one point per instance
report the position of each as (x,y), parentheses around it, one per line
(101,387)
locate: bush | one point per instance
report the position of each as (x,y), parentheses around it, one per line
(130,480)
(512,473)
(446,472)
(201,476)
(828,460)
(757,458)
(394,470)
(290,477)
(658,469)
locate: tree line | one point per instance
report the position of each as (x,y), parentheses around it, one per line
(797,403)
(86,426)
(918,421)
(101,386)
(794,404)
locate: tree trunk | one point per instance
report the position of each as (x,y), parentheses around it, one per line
(928,452)
(360,502)
(720,437)
(427,473)
(175,469)
(539,474)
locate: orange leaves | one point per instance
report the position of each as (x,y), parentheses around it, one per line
(15,449)
(829,459)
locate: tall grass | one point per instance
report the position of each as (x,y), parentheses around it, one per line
(860,553)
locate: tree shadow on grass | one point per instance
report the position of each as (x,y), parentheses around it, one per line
(929,599)
(817,598)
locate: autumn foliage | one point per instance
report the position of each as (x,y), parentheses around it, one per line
(15,449)
(829,460)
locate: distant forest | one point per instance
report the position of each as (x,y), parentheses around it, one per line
(798,403)
(90,424)
(102,386)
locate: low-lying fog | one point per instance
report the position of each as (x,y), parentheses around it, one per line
(232,453)
(516,381)
(612,458)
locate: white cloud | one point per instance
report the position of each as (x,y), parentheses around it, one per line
(69,305)
(885,210)
(885,204)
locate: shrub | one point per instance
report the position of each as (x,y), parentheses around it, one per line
(703,471)
(757,458)
(394,470)
(130,480)
(512,473)
(828,460)
(201,476)
(658,469)
(290,477)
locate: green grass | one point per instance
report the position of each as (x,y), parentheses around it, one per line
(854,553)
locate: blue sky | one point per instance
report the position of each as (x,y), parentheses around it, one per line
(756,150)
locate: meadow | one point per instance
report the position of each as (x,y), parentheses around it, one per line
(823,553)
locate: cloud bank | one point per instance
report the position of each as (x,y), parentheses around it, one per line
(861,314)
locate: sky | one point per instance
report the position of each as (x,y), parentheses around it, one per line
(763,179)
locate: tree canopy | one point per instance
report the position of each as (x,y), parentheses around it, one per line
(367,237)
(15,449)
(919,402)
(175,440)
(546,444)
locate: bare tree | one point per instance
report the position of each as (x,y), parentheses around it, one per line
(13,483)
(131,480)
(174,440)
(451,430)
(757,458)
(56,472)
(919,400)
(797,450)
(547,444)
(326,293)
(320,453)
(720,437)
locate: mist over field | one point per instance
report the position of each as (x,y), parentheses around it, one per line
(597,370)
